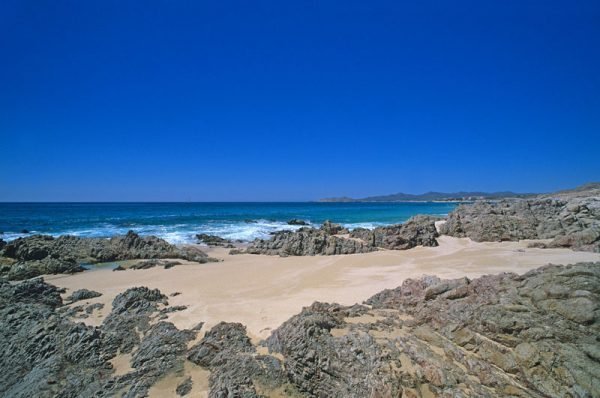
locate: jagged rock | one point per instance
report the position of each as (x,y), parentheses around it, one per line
(185,387)
(236,370)
(45,354)
(498,335)
(166,264)
(130,315)
(41,254)
(222,340)
(83,294)
(33,291)
(570,220)
(296,221)
(198,326)
(419,230)
(93,307)
(307,242)
(213,240)
(333,229)
(531,335)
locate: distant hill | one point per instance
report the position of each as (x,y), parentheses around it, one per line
(432,196)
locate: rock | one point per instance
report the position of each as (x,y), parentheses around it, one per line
(33,291)
(93,307)
(531,335)
(198,326)
(119,268)
(166,264)
(222,340)
(307,242)
(235,368)
(296,221)
(185,387)
(570,220)
(41,254)
(333,229)
(24,231)
(213,240)
(419,230)
(83,294)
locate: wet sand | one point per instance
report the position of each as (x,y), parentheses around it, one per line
(263,291)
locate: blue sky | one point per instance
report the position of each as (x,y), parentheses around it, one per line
(193,100)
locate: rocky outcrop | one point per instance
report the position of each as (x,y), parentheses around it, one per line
(307,242)
(40,254)
(417,231)
(504,335)
(531,335)
(330,228)
(83,294)
(236,369)
(332,239)
(166,264)
(296,221)
(214,240)
(569,221)
(43,353)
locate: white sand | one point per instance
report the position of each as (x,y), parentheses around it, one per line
(263,291)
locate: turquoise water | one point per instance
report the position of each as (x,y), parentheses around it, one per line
(179,222)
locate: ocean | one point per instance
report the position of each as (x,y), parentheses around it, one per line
(180,222)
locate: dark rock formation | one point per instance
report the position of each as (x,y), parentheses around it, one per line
(331,239)
(41,254)
(236,369)
(43,353)
(330,228)
(570,221)
(213,240)
(417,231)
(185,387)
(296,221)
(531,335)
(505,335)
(307,242)
(166,264)
(83,294)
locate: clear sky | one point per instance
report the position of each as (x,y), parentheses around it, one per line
(295,100)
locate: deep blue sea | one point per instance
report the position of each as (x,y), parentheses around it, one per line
(179,222)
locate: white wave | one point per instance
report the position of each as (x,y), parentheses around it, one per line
(186,233)
(367,225)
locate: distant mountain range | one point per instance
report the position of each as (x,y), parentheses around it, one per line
(432,197)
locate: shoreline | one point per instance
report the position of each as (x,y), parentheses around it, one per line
(262,292)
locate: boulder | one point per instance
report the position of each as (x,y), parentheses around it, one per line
(296,221)
(40,254)
(83,294)
(213,240)
(572,222)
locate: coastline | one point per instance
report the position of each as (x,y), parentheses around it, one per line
(262,291)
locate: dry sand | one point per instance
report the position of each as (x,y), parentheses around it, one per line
(263,291)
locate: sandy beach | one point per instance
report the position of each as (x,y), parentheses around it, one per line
(261,292)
